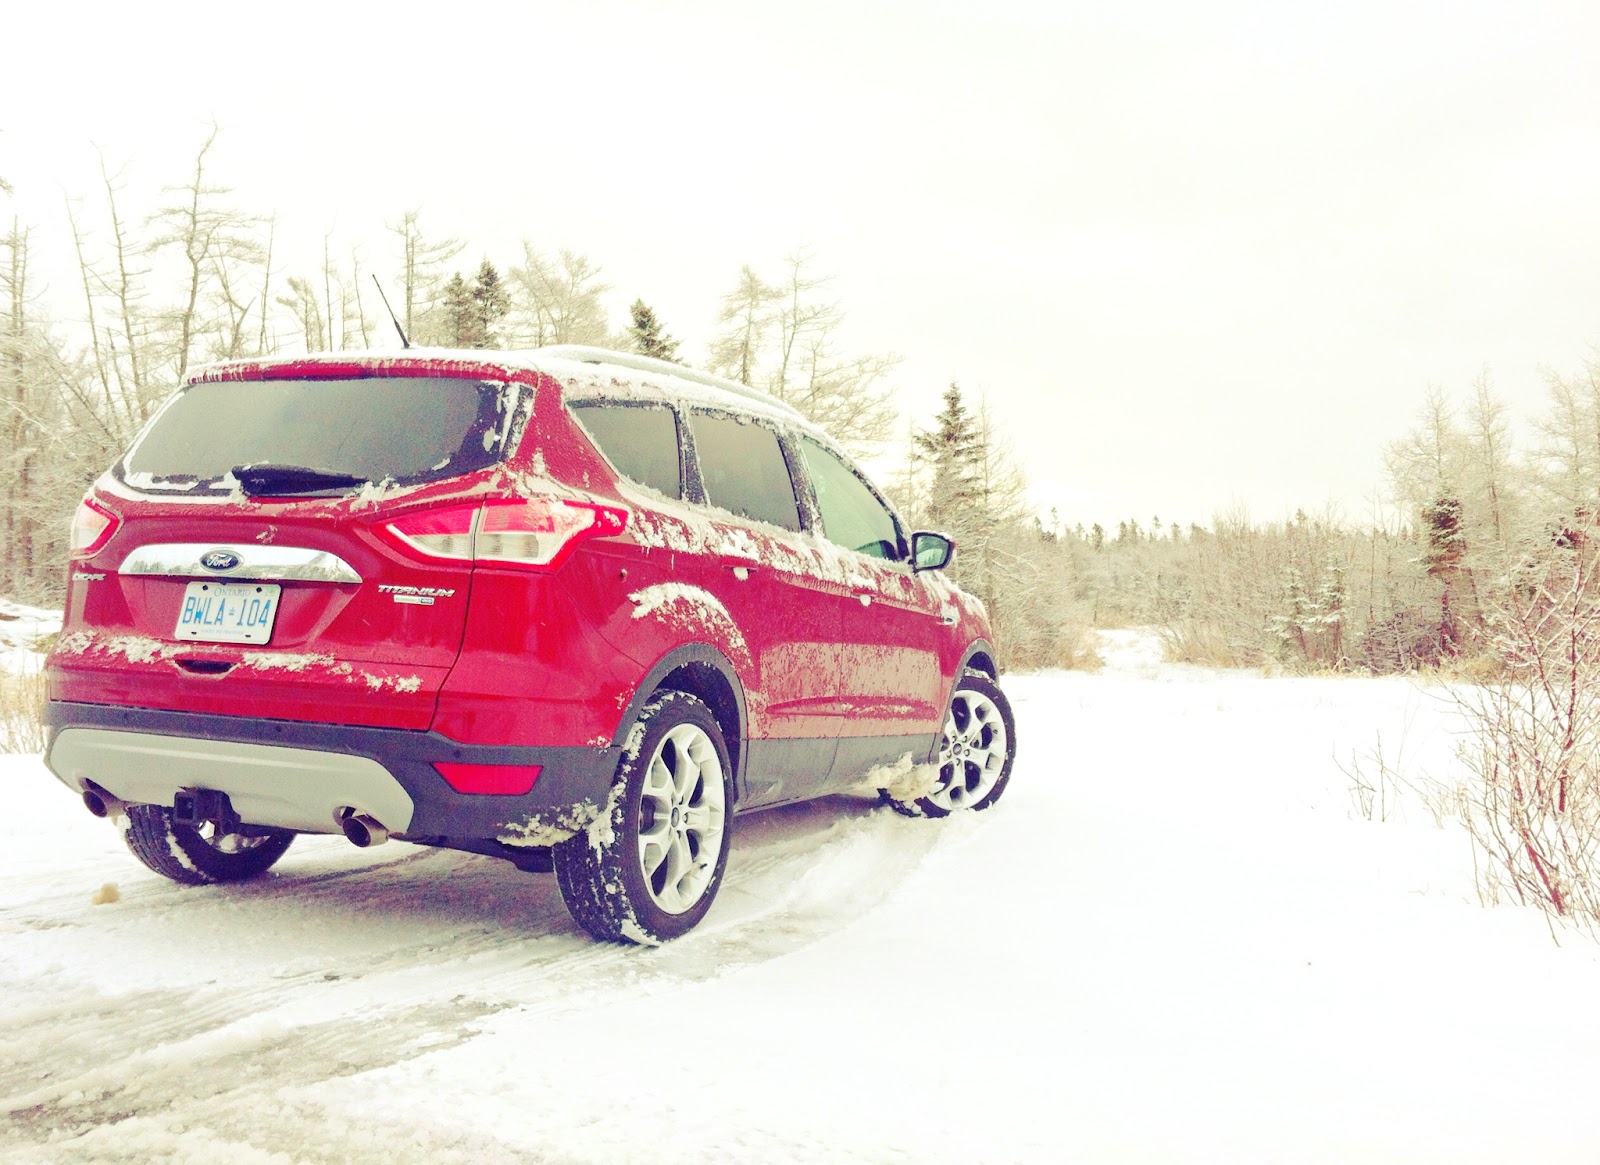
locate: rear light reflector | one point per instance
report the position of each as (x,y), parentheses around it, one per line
(506,780)
(92,527)
(536,533)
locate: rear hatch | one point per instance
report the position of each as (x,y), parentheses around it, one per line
(281,548)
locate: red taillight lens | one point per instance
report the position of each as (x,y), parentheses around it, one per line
(92,527)
(505,780)
(443,533)
(537,533)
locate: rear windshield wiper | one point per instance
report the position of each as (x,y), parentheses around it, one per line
(264,480)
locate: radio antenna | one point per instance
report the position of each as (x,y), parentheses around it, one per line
(404,343)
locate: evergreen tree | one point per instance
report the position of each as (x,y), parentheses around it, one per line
(1444,545)
(647,335)
(490,303)
(952,450)
(462,326)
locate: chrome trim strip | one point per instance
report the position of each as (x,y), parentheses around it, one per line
(182,560)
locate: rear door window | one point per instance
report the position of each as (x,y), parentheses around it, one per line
(640,440)
(852,515)
(399,429)
(743,469)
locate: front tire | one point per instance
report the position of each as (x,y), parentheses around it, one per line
(976,750)
(195,858)
(648,869)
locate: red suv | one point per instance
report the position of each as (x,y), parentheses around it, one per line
(566,607)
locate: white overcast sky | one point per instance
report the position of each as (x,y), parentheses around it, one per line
(1195,255)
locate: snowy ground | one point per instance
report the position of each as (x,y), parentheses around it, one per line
(21,629)
(1174,940)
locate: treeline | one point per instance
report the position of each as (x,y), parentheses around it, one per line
(1477,521)
(201,278)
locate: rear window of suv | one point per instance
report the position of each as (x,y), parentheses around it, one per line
(404,430)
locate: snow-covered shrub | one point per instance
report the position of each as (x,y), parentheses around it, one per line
(1533,744)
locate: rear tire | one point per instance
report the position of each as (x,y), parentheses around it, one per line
(976,750)
(195,858)
(648,869)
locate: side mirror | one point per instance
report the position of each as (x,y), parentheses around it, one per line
(931,551)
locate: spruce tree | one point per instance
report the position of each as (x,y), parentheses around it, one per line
(490,303)
(1444,547)
(460,315)
(952,449)
(647,335)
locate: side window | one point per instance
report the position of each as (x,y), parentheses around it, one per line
(743,469)
(641,441)
(852,515)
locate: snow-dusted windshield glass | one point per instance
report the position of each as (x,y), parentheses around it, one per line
(400,429)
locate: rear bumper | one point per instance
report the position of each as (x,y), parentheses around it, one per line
(298,775)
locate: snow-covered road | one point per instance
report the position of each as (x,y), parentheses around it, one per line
(1174,940)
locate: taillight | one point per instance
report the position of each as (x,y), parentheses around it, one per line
(92,527)
(536,533)
(541,533)
(438,533)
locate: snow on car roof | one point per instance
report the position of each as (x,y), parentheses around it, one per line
(582,371)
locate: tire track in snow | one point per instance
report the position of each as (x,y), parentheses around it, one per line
(227,1054)
(435,943)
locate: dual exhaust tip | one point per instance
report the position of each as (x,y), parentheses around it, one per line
(362,830)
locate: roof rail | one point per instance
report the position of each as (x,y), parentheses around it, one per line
(585,354)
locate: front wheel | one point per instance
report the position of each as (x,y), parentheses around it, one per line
(197,856)
(648,868)
(976,749)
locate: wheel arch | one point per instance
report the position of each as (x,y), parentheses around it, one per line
(701,671)
(981,657)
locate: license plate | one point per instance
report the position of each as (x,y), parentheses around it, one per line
(227,612)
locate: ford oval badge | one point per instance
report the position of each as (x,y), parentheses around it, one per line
(219,560)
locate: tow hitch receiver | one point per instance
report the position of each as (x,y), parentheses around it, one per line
(197,807)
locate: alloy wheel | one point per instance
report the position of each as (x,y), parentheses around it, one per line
(682,815)
(972,751)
